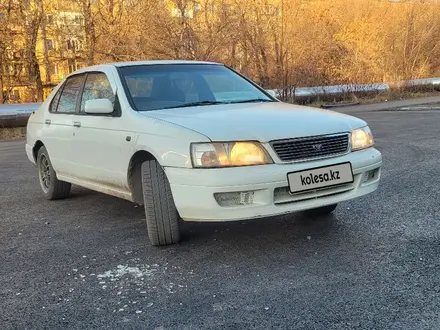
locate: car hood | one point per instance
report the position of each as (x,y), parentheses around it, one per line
(258,121)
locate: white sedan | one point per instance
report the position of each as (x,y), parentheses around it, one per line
(196,141)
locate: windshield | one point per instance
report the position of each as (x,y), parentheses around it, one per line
(155,87)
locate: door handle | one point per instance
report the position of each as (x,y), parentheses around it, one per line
(77,124)
(47,121)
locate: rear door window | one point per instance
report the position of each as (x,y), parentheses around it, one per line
(69,96)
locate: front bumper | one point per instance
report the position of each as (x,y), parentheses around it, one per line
(194,189)
(30,153)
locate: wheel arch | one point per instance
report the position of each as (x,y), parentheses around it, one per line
(134,175)
(37,146)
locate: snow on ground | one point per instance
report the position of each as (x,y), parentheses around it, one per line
(136,284)
(123,270)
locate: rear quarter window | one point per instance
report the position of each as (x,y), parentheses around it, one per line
(55,100)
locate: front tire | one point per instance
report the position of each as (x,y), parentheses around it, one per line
(51,186)
(160,211)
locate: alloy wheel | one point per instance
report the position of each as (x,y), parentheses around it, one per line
(44,169)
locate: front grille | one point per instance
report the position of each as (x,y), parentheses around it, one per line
(311,147)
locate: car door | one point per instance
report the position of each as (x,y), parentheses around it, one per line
(58,127)
(101,146)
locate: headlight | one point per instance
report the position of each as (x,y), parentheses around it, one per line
(361,138)
(228,154)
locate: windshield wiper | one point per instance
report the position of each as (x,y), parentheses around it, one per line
(194,104)
(251,101)
(203,103)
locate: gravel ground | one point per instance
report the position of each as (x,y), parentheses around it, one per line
(85,262)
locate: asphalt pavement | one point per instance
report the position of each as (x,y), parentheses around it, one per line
(85,262)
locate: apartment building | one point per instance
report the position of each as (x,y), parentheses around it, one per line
(59,47)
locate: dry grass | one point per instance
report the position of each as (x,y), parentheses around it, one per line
(12,133)
(395,94)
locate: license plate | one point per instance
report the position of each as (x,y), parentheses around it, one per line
(320,177)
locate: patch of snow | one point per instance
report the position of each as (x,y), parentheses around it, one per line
(125,281)
(121,271)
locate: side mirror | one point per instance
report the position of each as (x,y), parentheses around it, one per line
(99,106)
(272,93)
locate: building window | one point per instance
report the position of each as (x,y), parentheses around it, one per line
(73,44)
(76,20)
(49,19)
(50,44)
(73,66)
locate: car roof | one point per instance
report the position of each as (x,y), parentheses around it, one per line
(155,62)
(134,63)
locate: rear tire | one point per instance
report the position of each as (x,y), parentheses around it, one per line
(160,211)
(321,211)
(52,187)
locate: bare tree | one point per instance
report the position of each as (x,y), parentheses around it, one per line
(31,12)
(89,27)
(280,43)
